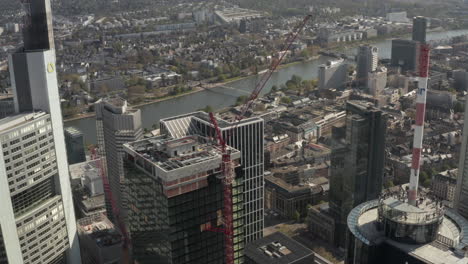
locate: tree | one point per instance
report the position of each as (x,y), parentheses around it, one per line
(297,216)
(296,79)
(274,88)
(208,109)
(286,100)
(389,184)
(241,100)
(459,108)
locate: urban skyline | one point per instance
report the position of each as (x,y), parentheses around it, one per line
(214,132)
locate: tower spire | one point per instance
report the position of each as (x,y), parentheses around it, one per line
(419,126)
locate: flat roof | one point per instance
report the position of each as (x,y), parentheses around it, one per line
(157,150)
(101,230)
(73,131)
(287,250)
(19,119)
(362,222)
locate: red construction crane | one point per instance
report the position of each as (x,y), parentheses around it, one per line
(227,166)
(110,198)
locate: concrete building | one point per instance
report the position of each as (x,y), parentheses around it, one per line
(357,162)
(333,75)
(279,249)
(7,106)
(399,17)
(460,80)
(248,138)
(367,61)
(235,15)
(389,230)
(175,194)
(37,221)
(101,242)
(320,223)
(88,190)
(116,124)
(74,141)
(461,195)
(327,35)
(287,199)
(405,54)
(444,185)
(377,81)
(419,29)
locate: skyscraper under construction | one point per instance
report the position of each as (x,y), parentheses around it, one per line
(175,195)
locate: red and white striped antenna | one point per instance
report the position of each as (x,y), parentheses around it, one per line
(419,125)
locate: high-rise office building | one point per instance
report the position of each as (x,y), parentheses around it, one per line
(116,124)
(367,61)
(419,29)
(333,75)
(461,194)
(357,163)
(74,141)
(37,221)
(248,139)
(405,54)
(175,191)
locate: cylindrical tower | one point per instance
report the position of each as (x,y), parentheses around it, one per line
(419,126)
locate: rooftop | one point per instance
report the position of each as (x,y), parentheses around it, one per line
(172,154)
(73,131)
(101,230)
(362,222)
(18,120)
(188,124)
(277,248)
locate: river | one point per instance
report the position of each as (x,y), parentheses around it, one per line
(222,97)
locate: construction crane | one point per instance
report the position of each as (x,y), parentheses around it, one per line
(227,166)
(110,198)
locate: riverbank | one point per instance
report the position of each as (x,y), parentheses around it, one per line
(195,89)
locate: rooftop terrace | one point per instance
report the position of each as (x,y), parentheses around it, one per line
(171,154)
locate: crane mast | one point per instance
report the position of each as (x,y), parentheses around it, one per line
(227,166)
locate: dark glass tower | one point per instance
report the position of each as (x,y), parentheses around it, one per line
(419,29)
(357,162)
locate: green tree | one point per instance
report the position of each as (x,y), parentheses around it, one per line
(389,184)
(296,80)
(297,216)
(459,108)
(274,88)
(241,100)
(208,109)
(286,100)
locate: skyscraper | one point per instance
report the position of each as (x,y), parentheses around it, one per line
(405,54)
(74,142)
(419,29)
(357,163)
(37,221)
(367,61)
(116,124)
(332,75)
(461,194)
(248,139)
(176,200)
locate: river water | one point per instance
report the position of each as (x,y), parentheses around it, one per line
(221,97)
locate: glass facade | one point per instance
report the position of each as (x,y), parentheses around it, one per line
(357,163)
(177,229)
(248,138)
